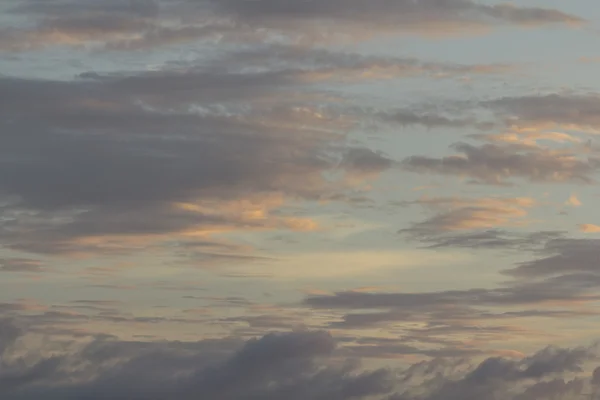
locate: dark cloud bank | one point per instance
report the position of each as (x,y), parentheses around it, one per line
(114,154)
(300,365)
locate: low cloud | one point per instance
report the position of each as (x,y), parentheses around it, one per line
(275,366)
(296,365)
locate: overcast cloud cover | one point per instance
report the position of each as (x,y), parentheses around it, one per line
(311,200)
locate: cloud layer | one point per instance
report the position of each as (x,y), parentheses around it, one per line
(311,200)
(296,365)
(150,24)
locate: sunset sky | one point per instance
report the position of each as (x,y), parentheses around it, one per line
(299,199)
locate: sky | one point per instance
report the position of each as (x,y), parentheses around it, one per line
(299,200)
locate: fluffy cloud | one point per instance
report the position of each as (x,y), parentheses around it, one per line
(273,367)
(297,365)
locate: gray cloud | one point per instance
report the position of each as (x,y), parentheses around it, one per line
(490,239)
(146,24)
(9,332)
(564,256)
(58,22)
(495,164)
(399,15)
(460,214)
(558,282)
(500,377)
(557,296)
(335,65)
(575,111)
(562,109)
(415,301)
(114,154)
(275,366)
(20,265)
(429,120)
(297,365)
(137,8)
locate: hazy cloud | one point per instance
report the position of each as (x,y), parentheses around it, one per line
(147,24)
(495,164)
(490,239)
(427,16)
(557,110)
(456,214)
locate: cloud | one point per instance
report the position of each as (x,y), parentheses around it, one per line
(526,138)
(429,120)
(292,365)
(559,109)
(564,256)
(415,301)
(589,228)
(560,285)
(567,288)
(532,146)
(148,24)
(137,8)
(573,201)
(77,23)
(573,111)
(427,16)
(501,377)
(456,214)
(495,164)
(272,367)
(9,332)
(526,120)
(20,265)
(490,239)
(332,66)
(143,155)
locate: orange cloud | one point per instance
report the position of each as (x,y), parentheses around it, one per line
(462,213)
(573,201)
(589,228)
